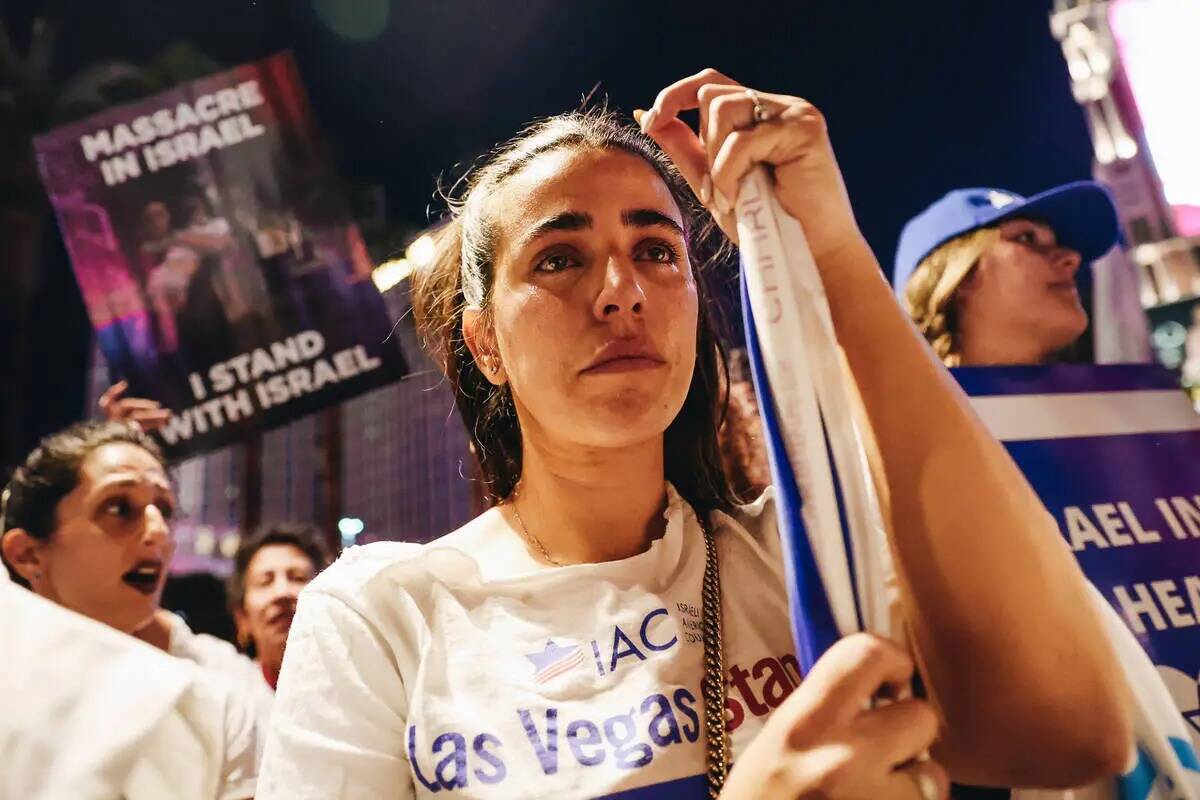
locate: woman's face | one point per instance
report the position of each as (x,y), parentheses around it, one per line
(1025,282)
(594,305)
(108,556)
(274,578)
(156,220)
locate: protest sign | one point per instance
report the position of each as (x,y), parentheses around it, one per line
(218,263)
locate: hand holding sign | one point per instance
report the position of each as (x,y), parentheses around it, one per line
(146,414)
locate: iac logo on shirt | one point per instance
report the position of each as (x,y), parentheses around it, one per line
(609,653)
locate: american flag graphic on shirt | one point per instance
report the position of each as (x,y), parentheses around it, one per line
(554,659)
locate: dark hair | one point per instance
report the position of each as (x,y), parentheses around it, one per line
(466,246)
(305,538)
(51,472)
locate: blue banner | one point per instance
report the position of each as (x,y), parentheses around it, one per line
(1114,453)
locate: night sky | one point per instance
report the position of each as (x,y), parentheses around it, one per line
(920,97)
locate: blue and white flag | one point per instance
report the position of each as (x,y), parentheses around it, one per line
(838,566)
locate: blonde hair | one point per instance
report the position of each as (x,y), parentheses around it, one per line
(929,294)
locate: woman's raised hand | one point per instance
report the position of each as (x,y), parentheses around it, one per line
(827,740)
(741,128)
(149,415)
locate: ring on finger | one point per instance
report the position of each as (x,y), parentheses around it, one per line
(761,112)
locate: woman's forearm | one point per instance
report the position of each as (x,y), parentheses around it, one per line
(1010,644)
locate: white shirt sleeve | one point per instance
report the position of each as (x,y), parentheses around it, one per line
(338,726)
(239,766)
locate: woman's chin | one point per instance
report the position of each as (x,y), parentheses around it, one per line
(1066,333)
(621,425)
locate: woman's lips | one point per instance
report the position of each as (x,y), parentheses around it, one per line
(1066,291)
(146,577)
(624,364)
(282,618)
(624,355)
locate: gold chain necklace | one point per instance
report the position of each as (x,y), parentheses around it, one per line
(712,685)
(532,540)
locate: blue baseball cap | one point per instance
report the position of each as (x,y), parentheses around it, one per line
(1082,215)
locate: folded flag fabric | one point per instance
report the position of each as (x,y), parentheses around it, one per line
(838,566)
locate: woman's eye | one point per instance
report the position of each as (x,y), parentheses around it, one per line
(166,509)
(118,508)
(1026,237)
(661,253)
(556,262)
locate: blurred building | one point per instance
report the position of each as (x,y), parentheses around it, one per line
(1132,65)
(406,467)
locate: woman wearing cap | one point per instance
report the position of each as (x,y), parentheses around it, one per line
(990,276)
(616,624)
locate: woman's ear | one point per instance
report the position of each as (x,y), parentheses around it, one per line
(481,341)
(22,553)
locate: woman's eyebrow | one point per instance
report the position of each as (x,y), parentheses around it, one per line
(563,221)
(648,217)
(581,220)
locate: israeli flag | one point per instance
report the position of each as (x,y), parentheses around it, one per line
(838,565)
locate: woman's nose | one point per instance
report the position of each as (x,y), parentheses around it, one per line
(1067,259)
(621,292)
(155,530)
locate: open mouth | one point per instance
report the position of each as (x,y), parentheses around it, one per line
(145,577)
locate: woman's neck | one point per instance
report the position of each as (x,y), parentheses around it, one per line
(156,632)
(984,348)
(591,505)
(270,660)
(270,669)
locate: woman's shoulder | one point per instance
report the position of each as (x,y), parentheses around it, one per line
(358,574)
(755,522)
(756,517)
(359,566)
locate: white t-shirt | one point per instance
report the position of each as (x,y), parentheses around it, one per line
(416,669)
(221,657)
(206,749)
(87,713)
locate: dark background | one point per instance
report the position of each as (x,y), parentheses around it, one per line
(921,98)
